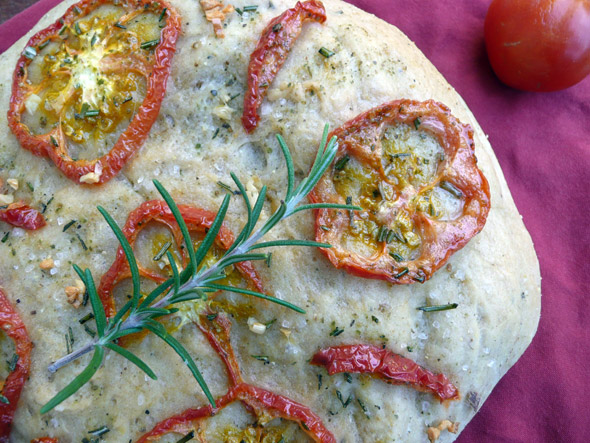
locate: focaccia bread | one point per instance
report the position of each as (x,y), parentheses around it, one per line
(195,143)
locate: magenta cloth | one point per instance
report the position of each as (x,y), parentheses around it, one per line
(543,144)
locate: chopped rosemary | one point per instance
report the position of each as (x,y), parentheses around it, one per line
(143,309)
(268,259)
(93,40)
(120,26)
(341,163)
(82,242)
(212,317)
(417,122)
(215,134)
(344,403)
(325,228)
(77,10)
(87,317)
(4,400)
(70,340)
(30,186)
(262,358)
(319,381)
(336,332)
(12,363)
(100,431)
(451,188)
(45,205)
(401,273)
(89,331)
(53,141)
(30,52)
(5,237)
(225,187)
(162,251)
(77,28)
(68,225)
(150,44)
(187,437)
(250,8)
(326,52)
(375,319)
(43,45)
(438,307)
(163,14)
(277,27)
(363,407)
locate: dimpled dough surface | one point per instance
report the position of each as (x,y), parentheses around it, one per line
(494,279)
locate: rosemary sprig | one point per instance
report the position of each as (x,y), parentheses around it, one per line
(196,280)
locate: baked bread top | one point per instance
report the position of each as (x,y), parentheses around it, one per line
(195,143)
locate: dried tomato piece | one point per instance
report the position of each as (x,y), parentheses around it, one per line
(22,216)
(271,52)
(197,220)
(261,402)
(87,89)
(411,166)
(45,440)
(393,368)
(14,328)
(216,327)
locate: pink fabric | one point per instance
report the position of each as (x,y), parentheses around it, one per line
(543,144)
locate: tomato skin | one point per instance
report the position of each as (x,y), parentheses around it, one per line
(393,368)
(277,39)
(539,45)
(22,216)
(138,130)
(259,400)
(14,328)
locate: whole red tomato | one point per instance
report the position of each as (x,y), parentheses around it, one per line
(539,45)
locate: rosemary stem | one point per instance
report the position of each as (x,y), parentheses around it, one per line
(71,357)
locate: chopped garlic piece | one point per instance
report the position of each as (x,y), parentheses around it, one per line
(434,433)
(13,183)
(46,264)
(286,332)
(223,112)
(75,293)
(255,326)
(6,199)
(215,12)
(92,177)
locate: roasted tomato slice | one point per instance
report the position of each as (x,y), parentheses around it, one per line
(270,54)
(393,368)
(87,89)
(265,405)
(154,266)
(19,364)
(411,167)
(22,216)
